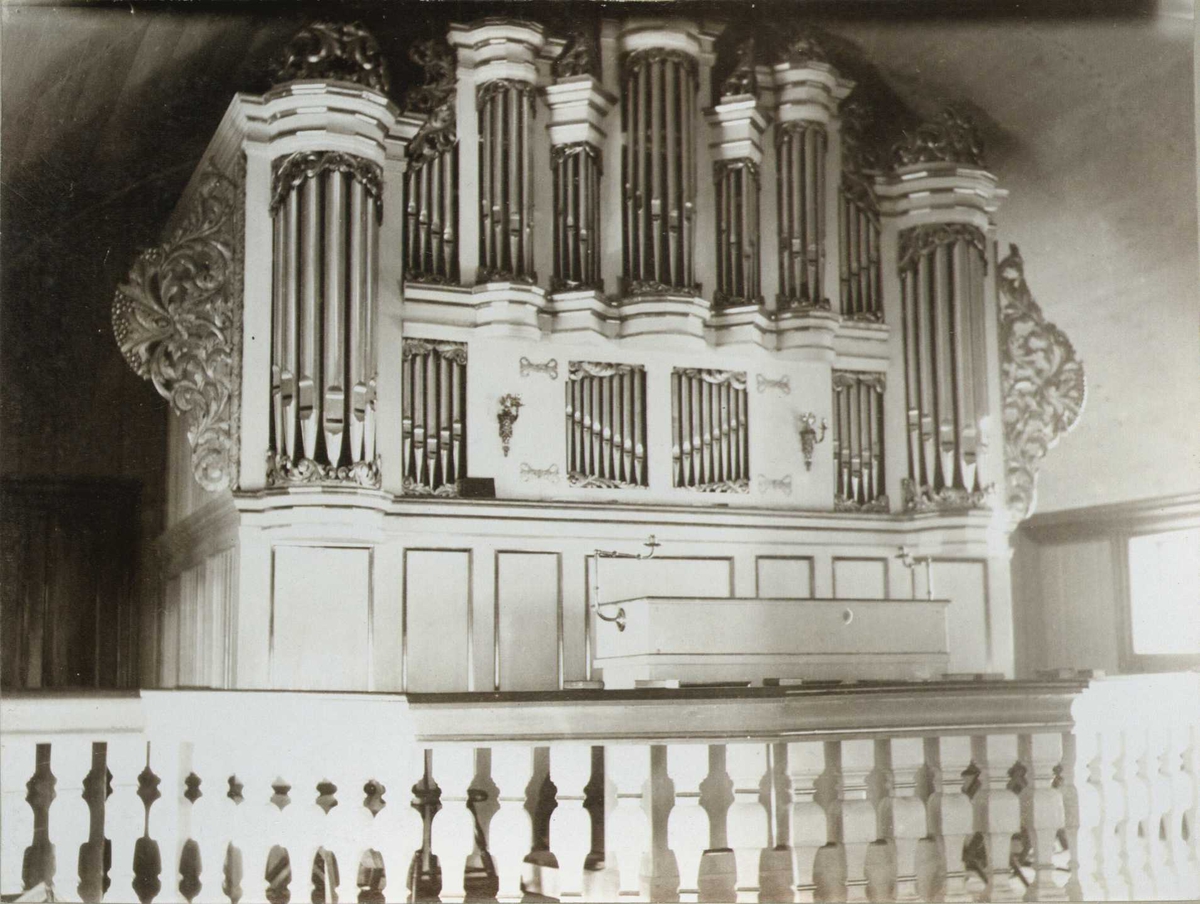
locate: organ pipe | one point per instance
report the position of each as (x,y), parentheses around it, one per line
(710,447)
(606,425)
(577,228)
(942,272)
(325,213)
(505,111)
(858,441)
(800,197)
(738,233)
(658,117)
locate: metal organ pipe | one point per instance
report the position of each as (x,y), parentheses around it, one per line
(942,270)
(325,209)
(659,95)
(505,111)
(800,185)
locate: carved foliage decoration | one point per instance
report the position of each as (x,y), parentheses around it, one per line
(580,56)
(294,170)
(434,99)
(176,320)
(920,240)
(338,51)
(950,137)
(803,46)
(744,77)
(1043,383)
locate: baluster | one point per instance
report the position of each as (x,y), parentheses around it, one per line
(453,831)
(235,822)
(776,876)
(1182,798)
(1084,812)
(954,808)
(1189,804)
(687,827)
(346,823)
(148,851)
(717,876)
(1133,772)
(206,792)
(1111,787)
(902,812)
(571,823)
(1043,815)
(627,826)
(748,823)
(124,815)
(1158,834)
(37,859)
(929,862)
(810,780)
(659,870)
(510,835)
(1005,779)
(96,790)
(856,816)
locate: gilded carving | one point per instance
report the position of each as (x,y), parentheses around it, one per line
(176,317)
(948,499)
(740,485)
(292,171)
(920,240)
(580,56)
(580,369)
(1043,384)
(744,77)
(951,137)
(847,379)
(434,99)
(338,51)
(878,505)
(561,152)
(283,471)
(654,287)
(577,479)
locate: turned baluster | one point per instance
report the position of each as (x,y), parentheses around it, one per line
(38,859)
(571,823)
(69,814)
(627,824)
(811,782)
(856,818)
(717,877)
(124,814)
(1158,834)
(1042,816)
(1004,778)
(748,822)
(687,827)
(510,833)
(201,858)
(1131,774)
(1189,803)
(453,832)
(903,813)
(955,805)
(1180,820)
(775,872)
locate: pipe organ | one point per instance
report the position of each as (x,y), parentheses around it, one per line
(325,214)
(658,120)
(609,280)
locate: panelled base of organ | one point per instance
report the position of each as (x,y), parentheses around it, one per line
(710,433)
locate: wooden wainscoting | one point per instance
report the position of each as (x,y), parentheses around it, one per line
(68,556)
(1071,585)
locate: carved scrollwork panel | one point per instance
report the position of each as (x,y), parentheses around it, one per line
(176,321)
(1042,381)
(329,50)
(950,137)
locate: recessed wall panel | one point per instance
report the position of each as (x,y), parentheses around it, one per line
(622,579)
(320,614)
(782,577)
(437,605)
(527,602)
(965,585)
(862,579)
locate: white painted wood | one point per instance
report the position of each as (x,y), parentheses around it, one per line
(436,603)
(528,598)
(784,577)
(320,637)
(860,578)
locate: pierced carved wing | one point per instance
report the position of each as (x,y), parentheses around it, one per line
(1043,383)
(175,319)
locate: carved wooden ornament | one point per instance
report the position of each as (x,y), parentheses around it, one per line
(176,321)
(1043,384)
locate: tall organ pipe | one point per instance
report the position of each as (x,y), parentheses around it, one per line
(505,111)
(325,209)
(658,109)
(942,272)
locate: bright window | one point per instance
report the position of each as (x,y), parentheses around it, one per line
(1164,592)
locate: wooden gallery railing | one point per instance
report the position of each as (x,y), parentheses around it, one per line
(943,791)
